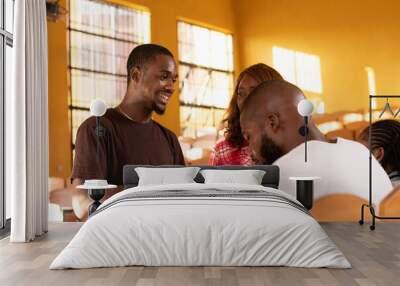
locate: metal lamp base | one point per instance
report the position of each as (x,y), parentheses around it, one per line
(96,195)
(304,193)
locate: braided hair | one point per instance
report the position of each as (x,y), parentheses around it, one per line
(385,134)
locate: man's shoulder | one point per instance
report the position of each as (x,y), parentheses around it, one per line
(350,150)
(165,130)
(106,120)
(291,156)
(351,143)
(343,150)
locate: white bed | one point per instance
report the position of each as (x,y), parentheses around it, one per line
(224,225)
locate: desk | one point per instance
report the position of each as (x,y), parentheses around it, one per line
(305,190)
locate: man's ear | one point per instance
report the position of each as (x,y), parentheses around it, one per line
(135,74)
(379,153)
(272,122)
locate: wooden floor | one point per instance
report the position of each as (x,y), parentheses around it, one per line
(375,257)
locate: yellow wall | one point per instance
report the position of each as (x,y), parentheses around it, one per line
(59,138)
(346,35)
(164,14)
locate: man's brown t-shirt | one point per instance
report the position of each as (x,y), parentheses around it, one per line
(123,142)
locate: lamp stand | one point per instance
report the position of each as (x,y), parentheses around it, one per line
(306,136)
(96,195)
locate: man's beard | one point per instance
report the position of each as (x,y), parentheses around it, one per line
(269,151)
(157,109)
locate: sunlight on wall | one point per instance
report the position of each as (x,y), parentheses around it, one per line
(371,84)
(301,69)
(319,105)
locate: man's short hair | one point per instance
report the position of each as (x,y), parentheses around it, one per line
(143,54)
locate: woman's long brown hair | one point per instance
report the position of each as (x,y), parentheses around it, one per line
(260,72)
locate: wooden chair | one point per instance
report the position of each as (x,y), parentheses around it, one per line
(390,205)
(185,146)
(339,207)
(343,133)
(323,118)
(203,159)
(55,183)
(61,195)
(206,141)
(357,125)
(329,126)
(186,140)
(345,117)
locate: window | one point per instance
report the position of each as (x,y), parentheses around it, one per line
(6,72)
(205,77)
(301,69)
(298,68)
(101,36)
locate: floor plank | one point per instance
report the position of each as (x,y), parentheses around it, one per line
(375,257)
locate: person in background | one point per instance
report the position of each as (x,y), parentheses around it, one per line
(385,146)
(234,149)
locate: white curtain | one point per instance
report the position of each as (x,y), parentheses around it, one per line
(27,123)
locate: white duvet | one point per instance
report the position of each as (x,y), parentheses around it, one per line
(188,231)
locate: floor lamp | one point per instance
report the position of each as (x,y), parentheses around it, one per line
(305,108)
(97,188)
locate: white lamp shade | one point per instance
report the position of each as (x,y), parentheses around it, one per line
(305,107)
(97,108)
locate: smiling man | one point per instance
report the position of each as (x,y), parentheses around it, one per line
(130,134)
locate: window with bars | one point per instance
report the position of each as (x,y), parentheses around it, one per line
(301,69)
(298,68)
(6,89)
(101,36)
(205,77)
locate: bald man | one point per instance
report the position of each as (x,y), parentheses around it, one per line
(271,123)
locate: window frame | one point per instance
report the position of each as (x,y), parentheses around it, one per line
(6,39)
(206,68)
(316,87)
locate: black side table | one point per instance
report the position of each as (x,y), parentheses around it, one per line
(305,190)
(96,191)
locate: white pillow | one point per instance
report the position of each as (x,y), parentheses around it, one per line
(164,176)
(248,177)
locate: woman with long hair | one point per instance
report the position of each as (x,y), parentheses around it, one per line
(234,149)
(385,146)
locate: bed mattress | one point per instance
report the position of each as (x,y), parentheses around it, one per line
(201,225)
